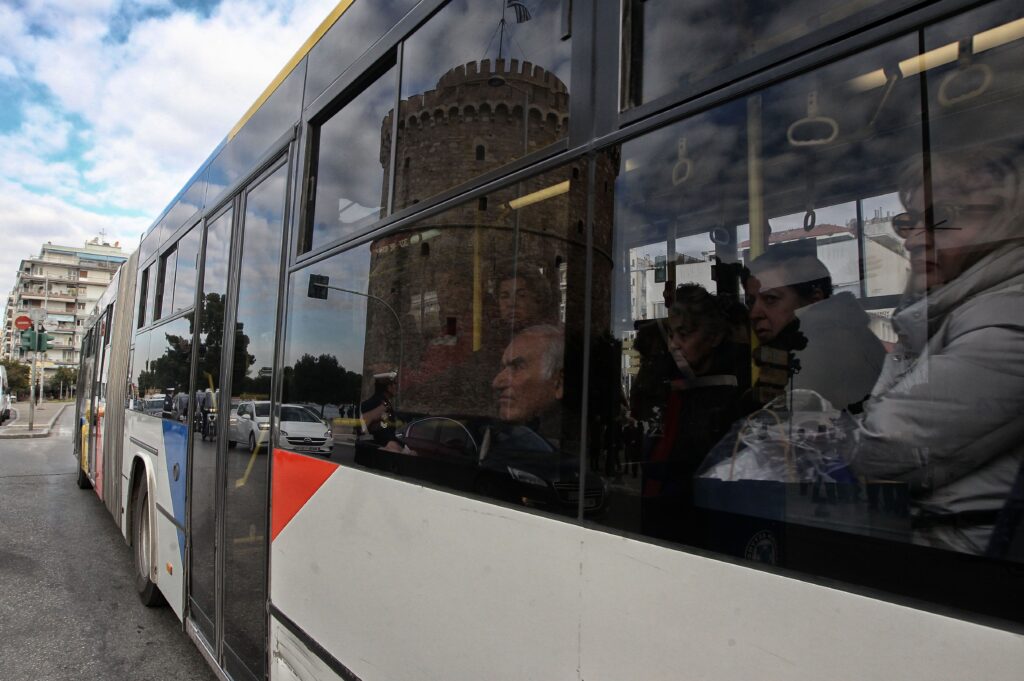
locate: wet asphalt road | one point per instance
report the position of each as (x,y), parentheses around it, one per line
(68,608)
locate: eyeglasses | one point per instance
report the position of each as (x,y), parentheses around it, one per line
(944,216)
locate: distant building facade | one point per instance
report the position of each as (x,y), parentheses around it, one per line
(66,282)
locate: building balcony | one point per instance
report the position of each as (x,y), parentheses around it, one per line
(39,294)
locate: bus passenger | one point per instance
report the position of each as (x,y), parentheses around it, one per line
(524,299)
(792,308)
(377,414)
(701,404)
(947,413)
(528,388)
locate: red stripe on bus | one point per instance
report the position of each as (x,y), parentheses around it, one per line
(295,479)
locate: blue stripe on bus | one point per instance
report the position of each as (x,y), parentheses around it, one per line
(176,449)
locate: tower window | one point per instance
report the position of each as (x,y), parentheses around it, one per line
(481,153)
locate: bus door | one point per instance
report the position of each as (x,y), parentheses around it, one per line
(98,401)
(84,405)
(230,457)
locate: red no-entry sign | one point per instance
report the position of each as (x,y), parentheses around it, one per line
(23,323)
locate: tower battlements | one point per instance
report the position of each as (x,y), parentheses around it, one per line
(486,88)
(524,72)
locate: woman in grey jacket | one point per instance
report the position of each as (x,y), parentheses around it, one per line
(947,412)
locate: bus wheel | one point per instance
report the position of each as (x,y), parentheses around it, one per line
(142,540)
(83,479)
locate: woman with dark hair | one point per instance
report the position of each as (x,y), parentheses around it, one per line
(793,309)
(947,413)
(702,403)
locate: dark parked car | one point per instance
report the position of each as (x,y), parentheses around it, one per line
(499,460)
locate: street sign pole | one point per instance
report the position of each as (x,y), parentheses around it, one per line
(41,351)
(32,394)
(37,315)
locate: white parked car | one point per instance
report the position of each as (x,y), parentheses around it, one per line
(301,430)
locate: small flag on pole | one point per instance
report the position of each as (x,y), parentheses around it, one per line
(521,10)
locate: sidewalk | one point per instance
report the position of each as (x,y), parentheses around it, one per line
(46,415)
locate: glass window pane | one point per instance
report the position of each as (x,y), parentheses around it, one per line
(362,24)
(169,366)
(480,88)
(238,156)
(350,168)
(671,46)
(203,463)
(805,347)
(149,399)
(142,296)
(247,475)
(165,284)
(437,343)
(186,270)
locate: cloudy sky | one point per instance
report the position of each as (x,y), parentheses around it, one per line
(107,107)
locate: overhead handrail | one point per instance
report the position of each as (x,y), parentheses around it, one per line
(808,125)
(684,166)
(966,68)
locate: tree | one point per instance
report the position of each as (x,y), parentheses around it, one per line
(321,380)
(63,375)
(17,375)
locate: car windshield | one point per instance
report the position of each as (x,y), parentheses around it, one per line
(262,409)
(301,414)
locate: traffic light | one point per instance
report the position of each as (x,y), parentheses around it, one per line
(28,339)
(44,341)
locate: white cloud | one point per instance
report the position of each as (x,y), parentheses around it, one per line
(29,219)
(7,67)
(154,104)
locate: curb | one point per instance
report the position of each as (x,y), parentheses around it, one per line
(41,431)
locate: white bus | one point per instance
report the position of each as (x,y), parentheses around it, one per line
(639,339)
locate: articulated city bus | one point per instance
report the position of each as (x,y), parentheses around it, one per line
(596,340)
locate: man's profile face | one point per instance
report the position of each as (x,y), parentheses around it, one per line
(772,304)
(521,388)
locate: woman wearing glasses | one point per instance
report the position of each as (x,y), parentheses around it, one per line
(947,412)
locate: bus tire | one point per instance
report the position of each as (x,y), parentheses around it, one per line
(142,539)
(83,479)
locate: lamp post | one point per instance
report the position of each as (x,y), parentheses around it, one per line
(320,282)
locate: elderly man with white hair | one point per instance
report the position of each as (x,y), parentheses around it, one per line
(529,386)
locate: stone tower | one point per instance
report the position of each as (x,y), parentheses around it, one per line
(441,276)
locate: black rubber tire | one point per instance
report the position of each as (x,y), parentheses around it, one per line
(83,480)
(142,537)
(252,442)
(232,444)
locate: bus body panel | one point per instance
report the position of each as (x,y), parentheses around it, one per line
(420,582)
(429,582)
(291,659)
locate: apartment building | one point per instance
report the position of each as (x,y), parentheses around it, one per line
(66,282)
